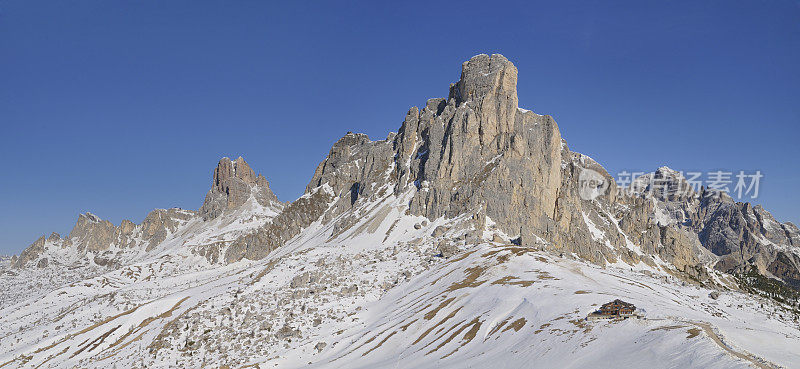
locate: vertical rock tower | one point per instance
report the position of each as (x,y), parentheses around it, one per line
(234,184)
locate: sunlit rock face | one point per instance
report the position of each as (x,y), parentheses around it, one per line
(234,184)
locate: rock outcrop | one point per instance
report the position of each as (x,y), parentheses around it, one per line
(234,184)
(30,254)
(94,234)
(157,225)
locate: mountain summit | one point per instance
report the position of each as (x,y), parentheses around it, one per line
(234,184)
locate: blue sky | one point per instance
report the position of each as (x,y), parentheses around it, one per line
(119,107)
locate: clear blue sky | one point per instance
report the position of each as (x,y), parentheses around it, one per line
(119,107)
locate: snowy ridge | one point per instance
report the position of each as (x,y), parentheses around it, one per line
(375,296)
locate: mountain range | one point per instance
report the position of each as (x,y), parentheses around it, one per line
(473,236)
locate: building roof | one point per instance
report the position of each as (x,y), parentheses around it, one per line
(614,307)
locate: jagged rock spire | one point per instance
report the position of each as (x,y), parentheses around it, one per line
(234,183)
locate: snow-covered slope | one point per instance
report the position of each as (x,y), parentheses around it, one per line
(378,295)
(70,261)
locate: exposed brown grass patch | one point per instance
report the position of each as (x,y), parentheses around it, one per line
(693,332)
(471,279)
(361,345)
(429,315)
(96,342)
(404,327)
(442,277)
(542,328)
(463,256)
(49,358)
(379,343)
(516,325)
(452,314)
(122,346)
(468,337)
(512,281)
(513,250)
(497,327)
(546,275)
(582,324)
(667,328)
(472,332)
(475,324)
(87,329)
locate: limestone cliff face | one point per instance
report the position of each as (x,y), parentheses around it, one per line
(355,169)
(233,185)
(94,234)
(477,151)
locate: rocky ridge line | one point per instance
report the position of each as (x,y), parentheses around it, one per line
(477,153)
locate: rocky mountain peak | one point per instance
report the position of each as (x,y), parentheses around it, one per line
(473,152)
(92,233)
(89,217)
(227,169)
(233,184)
(484,76)
(488,86)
